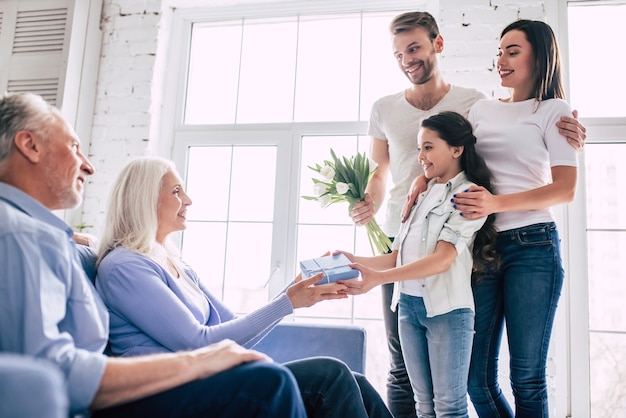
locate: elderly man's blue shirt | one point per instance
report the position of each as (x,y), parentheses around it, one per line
(48,308)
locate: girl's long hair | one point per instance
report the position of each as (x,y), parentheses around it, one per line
(457,131)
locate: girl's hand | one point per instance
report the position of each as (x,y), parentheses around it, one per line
(369,279)
(348,255)
(476,202)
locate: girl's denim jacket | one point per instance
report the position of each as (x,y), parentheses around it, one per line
(451,289)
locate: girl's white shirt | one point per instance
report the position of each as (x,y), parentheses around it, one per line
(413,238)
(451,289)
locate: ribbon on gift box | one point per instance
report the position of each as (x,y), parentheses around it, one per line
(335,267)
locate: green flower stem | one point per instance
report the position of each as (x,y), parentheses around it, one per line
(377,238)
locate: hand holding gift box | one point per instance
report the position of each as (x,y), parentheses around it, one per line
(335,267)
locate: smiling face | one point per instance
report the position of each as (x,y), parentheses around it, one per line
(172,206)
(64,168)
(439,160)
(516,64)
(416,54)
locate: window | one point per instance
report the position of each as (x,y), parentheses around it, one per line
(264,98)
(287,69)
(598,97)
(229,218)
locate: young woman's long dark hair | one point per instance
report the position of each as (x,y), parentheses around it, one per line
(457,131)
(548,84)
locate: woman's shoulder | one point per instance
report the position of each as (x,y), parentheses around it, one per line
(557,104)
(121,256)
(482,103)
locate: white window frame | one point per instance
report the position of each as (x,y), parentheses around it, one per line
(287,139)
(576,289)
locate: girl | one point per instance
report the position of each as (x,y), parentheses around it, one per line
(431,263)
(533,169)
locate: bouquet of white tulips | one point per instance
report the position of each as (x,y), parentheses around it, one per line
(344,180)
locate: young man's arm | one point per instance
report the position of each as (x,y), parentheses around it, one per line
(364,211)
(574,131)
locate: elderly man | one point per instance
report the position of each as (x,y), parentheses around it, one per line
(49,310)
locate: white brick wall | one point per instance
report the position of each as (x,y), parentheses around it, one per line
(124,97)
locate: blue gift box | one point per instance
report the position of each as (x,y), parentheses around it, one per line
(335,267)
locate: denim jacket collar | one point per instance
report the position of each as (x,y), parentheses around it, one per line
(451,184)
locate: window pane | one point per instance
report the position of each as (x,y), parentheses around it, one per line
(606,225)
(229,236)
(315,240)
(248,254)
(608,374)
(268,65)
(605,179)
(607,286)
(369,305)
(203,248)
(596,92)
(253,182)
(377,355)
(290,68)
(208,184)
(380,74)
(213,73)
(327,78)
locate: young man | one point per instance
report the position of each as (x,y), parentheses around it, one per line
(393,128)
(49,310)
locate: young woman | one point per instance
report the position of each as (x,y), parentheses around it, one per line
(157,303)
(533,169)
(432,261)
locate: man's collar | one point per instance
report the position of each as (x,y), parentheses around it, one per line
(31,207)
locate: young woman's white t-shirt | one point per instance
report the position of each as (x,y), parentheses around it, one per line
(520,142)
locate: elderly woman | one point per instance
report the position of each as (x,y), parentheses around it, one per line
(157,303)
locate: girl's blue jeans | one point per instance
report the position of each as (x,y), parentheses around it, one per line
(522,295)
(437,354)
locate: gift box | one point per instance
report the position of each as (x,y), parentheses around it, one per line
(335,267)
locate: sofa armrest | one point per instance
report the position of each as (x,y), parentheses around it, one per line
(31,387)
(294,341)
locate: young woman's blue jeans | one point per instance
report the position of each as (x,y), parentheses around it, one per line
(523,292)
(437,356)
